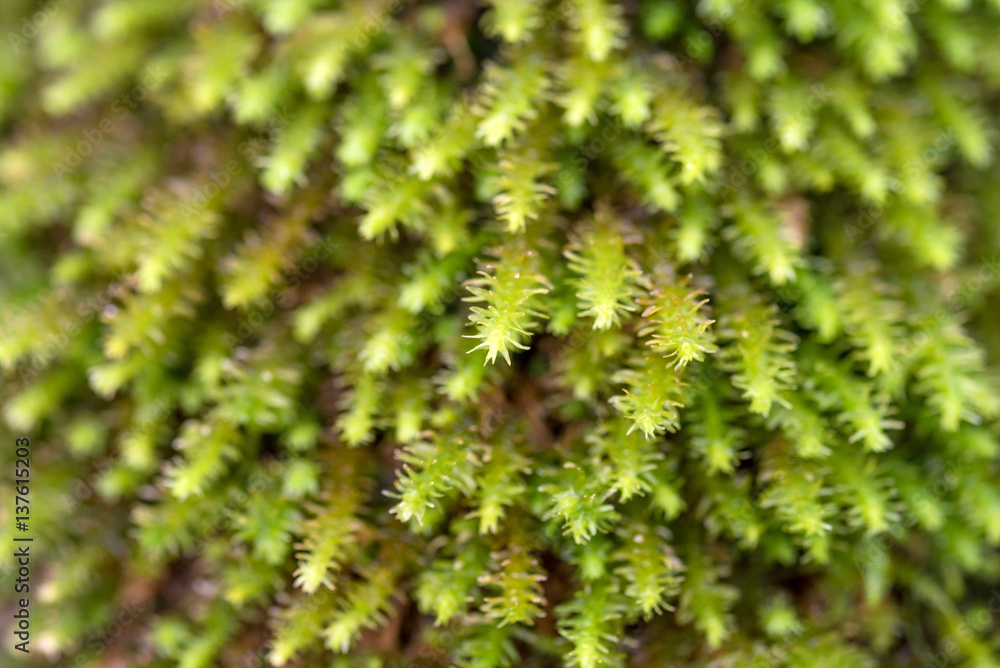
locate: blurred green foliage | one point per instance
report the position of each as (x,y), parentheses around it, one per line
(519,333)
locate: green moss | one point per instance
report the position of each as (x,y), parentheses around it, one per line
(574,332)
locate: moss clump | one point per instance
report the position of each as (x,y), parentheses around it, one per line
(518,333)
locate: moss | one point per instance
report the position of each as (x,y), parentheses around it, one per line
(516,333)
